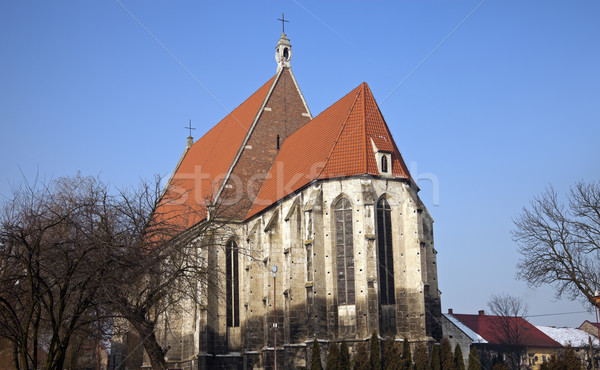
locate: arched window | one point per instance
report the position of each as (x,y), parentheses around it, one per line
(384,164)
(344,252)
(384,256)
(233,284)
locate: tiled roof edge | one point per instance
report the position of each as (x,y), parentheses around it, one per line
(476,338)
(400,158)
(360,91)
(314,181)
(164,190)
(301,95)
(247,137)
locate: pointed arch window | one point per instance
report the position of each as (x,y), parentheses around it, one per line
(385,253)
(384,164)
(232,284)
(344,252)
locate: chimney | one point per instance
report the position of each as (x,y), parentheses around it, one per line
(481,313)
(450,311)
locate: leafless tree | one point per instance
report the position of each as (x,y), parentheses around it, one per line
(559,243)
(162,263)
(51,253)
(511,334)
(79,258)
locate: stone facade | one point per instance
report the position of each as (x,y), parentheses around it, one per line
(306,286)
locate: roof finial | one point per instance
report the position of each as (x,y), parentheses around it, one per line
(190,139)
(283,22)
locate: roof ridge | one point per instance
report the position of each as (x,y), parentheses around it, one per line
(392,141)
(364,127)
(341,130)
(206,133)
(248,134)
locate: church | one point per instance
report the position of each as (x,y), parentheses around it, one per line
(323,233)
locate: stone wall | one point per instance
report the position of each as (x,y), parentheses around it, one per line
(298,235)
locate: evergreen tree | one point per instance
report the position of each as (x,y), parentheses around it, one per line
(459,361)
(567,360)
(390,358)
(446,357)
(334,358)
(422,358)
(406,356)
(375,359)
(361,359)
(474,362)
(500,366)
(436,363)
(570,360)
(315,361)
(345,356)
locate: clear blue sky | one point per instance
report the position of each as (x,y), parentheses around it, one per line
(507,103)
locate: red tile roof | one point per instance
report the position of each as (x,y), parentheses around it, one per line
(336,143)
(204,165)
(487,327)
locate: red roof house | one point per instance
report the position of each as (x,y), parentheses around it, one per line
(504,333)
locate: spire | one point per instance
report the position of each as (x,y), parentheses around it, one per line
(283,50)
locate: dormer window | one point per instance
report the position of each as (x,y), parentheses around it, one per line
(384,163)
(383,159)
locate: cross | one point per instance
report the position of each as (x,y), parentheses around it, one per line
(283,21)
(190,127)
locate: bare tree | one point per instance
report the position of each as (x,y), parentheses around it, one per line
(559,243)
(78,258)
(511,334)
(51,254)
(162,264)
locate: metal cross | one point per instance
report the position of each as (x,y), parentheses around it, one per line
(190,127)
(283,21)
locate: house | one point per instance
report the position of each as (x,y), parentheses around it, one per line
(592,328)
(584,344)
(503,338)
(326,204)
(458,333)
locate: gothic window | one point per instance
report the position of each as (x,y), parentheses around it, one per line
(309,262)
(232,284)
(310,300)
(344,252)
(385,256)
(309,226)
(384,164)
(277,142)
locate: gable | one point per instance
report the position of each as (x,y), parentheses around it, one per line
(335,144)
(204,166)
(284,112)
